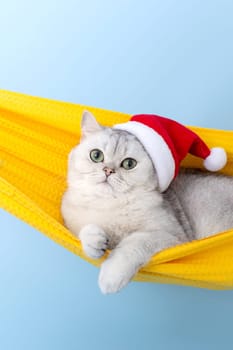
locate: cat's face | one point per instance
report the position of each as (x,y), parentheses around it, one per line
(109,161)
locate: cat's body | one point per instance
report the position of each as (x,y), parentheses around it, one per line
(202,201)
(109,207)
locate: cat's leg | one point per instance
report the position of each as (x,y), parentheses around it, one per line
(130,254)
(94,241)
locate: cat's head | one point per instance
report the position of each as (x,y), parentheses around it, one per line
(109,161)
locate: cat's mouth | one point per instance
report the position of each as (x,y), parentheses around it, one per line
(106,181)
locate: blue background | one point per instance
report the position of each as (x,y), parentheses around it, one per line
(173,58)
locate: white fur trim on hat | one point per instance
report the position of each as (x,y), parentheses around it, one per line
(216,160)
(157,149)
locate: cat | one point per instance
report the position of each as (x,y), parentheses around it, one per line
(113,202)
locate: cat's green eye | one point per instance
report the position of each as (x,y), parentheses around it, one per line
(96,156)
(129,163)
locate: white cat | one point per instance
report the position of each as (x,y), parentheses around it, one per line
(113,202)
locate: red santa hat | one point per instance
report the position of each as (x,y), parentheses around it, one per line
(168,142)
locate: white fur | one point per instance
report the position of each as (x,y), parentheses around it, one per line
(94,241)
(108,212)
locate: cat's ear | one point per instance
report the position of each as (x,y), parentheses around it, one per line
(89,124)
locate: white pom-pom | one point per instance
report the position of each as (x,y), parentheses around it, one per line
(216,160)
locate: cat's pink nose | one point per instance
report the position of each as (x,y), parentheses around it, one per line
(108,171)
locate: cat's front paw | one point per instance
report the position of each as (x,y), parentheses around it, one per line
(94,241)
(115,273)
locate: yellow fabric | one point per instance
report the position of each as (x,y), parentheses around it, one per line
(36,136)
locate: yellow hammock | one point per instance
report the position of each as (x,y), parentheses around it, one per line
(36,136)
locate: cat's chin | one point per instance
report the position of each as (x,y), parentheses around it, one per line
(106,187)
(107,184)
